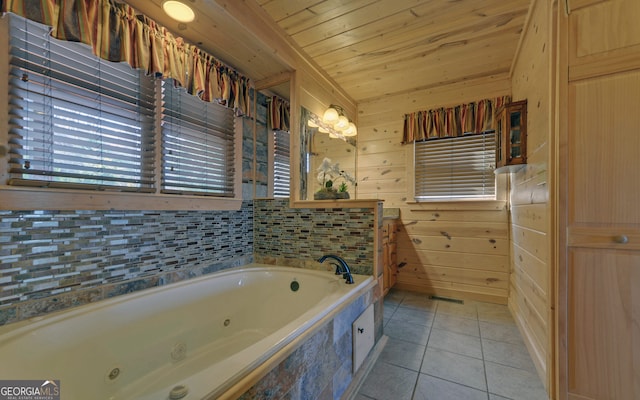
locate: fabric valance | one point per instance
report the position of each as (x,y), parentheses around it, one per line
(116,32)
(278,114)
(470,118)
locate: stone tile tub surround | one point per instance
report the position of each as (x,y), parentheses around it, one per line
(53,260)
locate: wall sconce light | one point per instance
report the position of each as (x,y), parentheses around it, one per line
(330,116)
(178,11)
(335,116)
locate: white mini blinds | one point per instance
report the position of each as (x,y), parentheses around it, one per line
(76,121)
(458,168)
(197,144)
(281,167)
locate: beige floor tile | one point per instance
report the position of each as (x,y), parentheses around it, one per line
(408,332)
(455,342)
(419,301)
(389,382)
(456,368)
(403,354)
(456,324)
(496,397)
(514,383)
(494,313)
(501,332)
(466,310)
(413,316)
(431,388)
(513,355)
(394,297)
(473,351)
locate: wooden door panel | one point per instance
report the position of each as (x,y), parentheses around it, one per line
(604,324)
(603,150)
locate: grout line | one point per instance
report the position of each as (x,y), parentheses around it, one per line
(424,354)
(484,362)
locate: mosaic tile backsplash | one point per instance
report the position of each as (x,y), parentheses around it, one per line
(51,260)
(299,236)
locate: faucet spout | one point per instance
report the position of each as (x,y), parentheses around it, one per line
(341,267)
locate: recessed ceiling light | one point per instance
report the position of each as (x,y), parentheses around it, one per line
(178,11)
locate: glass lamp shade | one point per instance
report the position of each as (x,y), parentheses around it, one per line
(351,130)
(342,123)
(330,116)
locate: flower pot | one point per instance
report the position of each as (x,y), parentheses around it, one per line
(324,195)
(330,195)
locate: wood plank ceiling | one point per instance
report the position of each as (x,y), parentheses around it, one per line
(370,48)
(377,47)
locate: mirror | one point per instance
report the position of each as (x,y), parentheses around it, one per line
(325,156)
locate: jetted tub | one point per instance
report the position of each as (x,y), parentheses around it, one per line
(206,336)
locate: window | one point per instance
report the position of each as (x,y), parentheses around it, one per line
(281,167)
(459,168)
(197,144)
(76,121)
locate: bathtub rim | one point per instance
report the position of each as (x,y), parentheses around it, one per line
(8,331)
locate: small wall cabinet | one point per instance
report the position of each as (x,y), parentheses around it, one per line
(511,135)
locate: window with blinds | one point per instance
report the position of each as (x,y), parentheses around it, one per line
(281,165)
(197,144)
(459,168)
(76,121)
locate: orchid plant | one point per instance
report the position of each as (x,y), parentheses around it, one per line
(329,173)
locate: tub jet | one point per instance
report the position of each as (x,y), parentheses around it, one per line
(178,392)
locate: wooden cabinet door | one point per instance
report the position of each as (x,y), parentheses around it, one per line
(603,238)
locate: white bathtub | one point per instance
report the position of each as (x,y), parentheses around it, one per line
(213,335)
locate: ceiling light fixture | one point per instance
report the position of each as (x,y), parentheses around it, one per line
(178,11)
(335,117)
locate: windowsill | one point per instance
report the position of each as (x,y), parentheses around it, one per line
(460,205)
(28,198)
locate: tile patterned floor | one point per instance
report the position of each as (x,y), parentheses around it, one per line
(440,350)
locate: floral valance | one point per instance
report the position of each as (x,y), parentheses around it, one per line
(476,117)
(116,32)
(278,114)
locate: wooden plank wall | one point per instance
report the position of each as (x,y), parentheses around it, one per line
(454,250)
(531,289)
